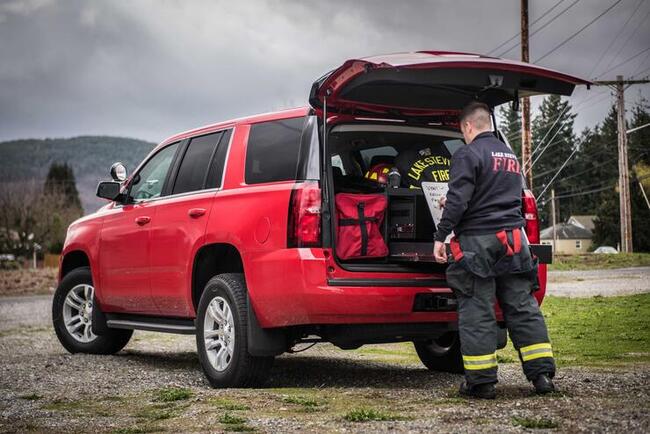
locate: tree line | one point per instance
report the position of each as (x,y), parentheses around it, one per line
(588,183)
(36,216)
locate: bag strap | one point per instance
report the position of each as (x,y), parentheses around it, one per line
(361,206)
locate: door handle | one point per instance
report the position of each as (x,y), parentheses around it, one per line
(196,212)
(142,220)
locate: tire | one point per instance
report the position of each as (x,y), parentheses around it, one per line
(73,302)
(223,351)
(441,354)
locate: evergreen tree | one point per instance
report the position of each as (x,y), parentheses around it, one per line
(557,133)
(511,127)
(61,195)
(60,179)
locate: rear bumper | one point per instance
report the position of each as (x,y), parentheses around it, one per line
(305,286)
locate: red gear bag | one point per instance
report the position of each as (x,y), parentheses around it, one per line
(358,219)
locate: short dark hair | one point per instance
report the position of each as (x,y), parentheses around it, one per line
(469,112)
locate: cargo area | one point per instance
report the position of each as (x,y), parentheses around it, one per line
(362,156)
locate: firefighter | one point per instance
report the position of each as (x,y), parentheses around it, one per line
(490,257)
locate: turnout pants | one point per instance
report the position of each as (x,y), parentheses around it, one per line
(486,268)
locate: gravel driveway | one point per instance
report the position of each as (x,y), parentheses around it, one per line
(621,281)
(43,388)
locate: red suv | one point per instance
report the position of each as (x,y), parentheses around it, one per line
(228,231)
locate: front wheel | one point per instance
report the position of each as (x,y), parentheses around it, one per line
(441,354)
(221,335)
(72,307)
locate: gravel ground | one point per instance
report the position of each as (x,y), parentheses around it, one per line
(43,388)
(588,283)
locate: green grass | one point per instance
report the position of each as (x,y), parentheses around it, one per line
(596,331)
(228,404)
(307,404)
(171,394)
(532,423)
(599,330)
(234,423)
(592,261)
(369,414)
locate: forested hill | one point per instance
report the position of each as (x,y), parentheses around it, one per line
(90,157)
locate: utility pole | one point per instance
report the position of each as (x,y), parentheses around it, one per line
(526,136)
(553,219)
(619,85)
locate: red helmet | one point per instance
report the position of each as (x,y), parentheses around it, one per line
(379,173)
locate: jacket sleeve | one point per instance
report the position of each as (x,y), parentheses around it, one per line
(462,179)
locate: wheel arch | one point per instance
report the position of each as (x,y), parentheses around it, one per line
(210,260)
(72,260)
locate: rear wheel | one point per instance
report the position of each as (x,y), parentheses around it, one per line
(221,335)
(441,354)
(74,301)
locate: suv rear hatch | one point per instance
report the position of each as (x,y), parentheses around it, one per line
(430,82)
(423,89)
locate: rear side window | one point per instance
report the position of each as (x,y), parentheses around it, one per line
(273,150)
(215,172)
(196,161)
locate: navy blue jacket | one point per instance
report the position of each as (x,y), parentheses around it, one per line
(485,189)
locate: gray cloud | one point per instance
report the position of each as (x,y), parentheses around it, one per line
(151,68)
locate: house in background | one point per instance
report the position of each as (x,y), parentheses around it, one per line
(573,237)
(585,221)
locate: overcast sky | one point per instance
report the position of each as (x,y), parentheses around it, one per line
(150,68)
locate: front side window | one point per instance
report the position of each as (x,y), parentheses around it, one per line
(273,150)
(148,182)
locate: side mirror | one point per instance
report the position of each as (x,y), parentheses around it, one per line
(109,190)
(118,172)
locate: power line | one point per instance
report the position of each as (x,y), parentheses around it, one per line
(519,33)
(620,50)
(542,27)
(602,56)
(578,32)
(586,192)
(625,61)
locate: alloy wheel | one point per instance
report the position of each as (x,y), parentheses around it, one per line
(219,333)
(77,313)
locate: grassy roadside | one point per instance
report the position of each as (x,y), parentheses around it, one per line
(592,261)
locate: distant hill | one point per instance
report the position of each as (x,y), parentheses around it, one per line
(90,157)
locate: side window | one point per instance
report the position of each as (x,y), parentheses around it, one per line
(218,164)
(273,150)
(148,182)
(194,167)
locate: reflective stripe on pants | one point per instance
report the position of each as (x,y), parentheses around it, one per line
(486,361)
(536,351)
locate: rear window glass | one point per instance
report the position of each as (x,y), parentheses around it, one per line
(273,150)
(194,167)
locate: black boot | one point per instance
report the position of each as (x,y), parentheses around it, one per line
(543,384)
(483,391)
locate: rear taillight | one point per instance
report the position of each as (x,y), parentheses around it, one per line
(531,217)
(304,215)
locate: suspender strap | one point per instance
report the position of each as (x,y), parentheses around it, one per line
(516,241)
(456,252)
